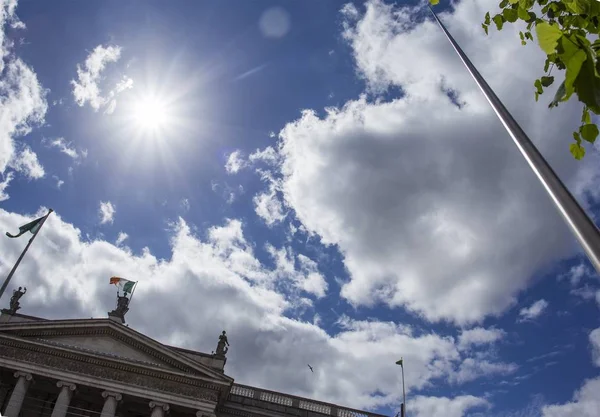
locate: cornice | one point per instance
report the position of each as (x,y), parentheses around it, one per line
(235,412)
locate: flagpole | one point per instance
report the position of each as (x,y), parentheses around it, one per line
(403,392)
(14,268)
(578,221)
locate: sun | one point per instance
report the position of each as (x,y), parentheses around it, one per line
(150,113)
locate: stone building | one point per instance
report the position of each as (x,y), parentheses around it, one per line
(103,368)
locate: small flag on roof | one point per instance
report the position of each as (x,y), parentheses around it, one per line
(123,284)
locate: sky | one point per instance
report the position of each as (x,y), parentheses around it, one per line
(321,179)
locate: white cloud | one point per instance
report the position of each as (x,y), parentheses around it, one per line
(268,156)
(63,146)
(86,88)
(425,200)
(121,238)
(26,162)
(230,288)
(59,182)
(471,369)
(533,311)
(576,273)
(23,102)
(185,204)
(8,177)
(586,402)
(479,336)
(306,277)
(421,406)
(269,207)
(313,281)
(235,162)
(595,345)
(106,212)
(226,191)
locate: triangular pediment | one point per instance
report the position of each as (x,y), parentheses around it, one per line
(103,337)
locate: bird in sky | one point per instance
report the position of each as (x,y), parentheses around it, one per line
(311,369)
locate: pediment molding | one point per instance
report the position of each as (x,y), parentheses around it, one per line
(106,327)
(92,360)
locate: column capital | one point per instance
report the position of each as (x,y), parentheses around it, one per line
(115,395)
(154,404)
(69,385)
(26,375)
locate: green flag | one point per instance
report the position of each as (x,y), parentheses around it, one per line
(29,227)
(400,363)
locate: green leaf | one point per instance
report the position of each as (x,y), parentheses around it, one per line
(526,4)
(510,15)
(488,20)
(585,117)
(434,2)
(548,36)
(587,87)
(503,4)
(523,15)
(538,85)
(577,151)
(577,6)
(513,1)
(547,81)
(573,57)
(499,21)
(589,132)
(560,93)
(577,137)
(522,36)
(485,27)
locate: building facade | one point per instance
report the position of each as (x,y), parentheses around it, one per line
(103,368)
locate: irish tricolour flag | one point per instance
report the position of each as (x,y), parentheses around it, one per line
(123,284)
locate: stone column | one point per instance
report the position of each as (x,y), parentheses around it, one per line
(110,403)
(158,409)
(64,398)
(18,395)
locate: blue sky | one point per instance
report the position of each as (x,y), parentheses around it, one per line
(297,173)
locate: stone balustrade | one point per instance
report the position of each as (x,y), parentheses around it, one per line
(298,402)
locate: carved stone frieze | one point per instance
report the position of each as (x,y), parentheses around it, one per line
(127,375)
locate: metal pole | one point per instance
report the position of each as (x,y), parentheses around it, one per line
(12,271)
(582,227)
(403,392)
